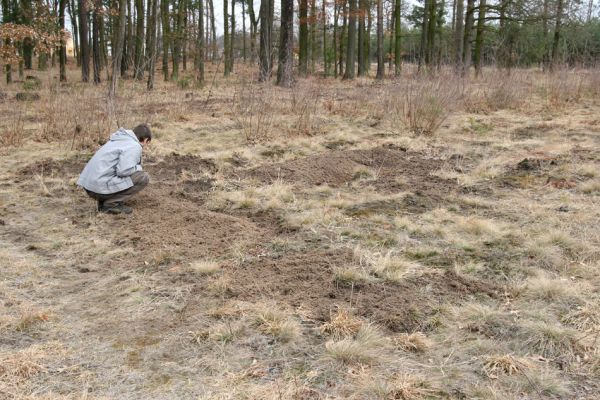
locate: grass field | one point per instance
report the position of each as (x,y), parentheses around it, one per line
(420,238)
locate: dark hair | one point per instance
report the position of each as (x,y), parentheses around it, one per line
(142,132)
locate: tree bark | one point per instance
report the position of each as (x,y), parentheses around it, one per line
(303,38)
(226,45)
(479,38)
(253,30)
(178,40)
(265,41)
(398,39)
(166,37)
(469,22)
(380,60)
(336,14)
(118,53)
(325,60)
(152,42)
(62,51)
(83,41)
(96,40)
(557,32)
(313,36)
(244,30)
(139,40)
(424,30)
(285,70)
(351,50)
(232,37)
(361,38)
(213,31)
(199,59)
(458,34)
(73,18)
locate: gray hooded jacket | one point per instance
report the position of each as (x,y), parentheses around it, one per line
(110,168)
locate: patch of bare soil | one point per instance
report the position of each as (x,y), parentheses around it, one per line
(50,167)
(305,280)
(536,171)
(180,229)
(394,169)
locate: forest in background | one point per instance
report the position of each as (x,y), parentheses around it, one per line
(332,38)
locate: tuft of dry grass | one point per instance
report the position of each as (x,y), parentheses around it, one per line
(507,364)
(278,325)
(549,290)
(551,340)
(367,347)
(414,342)
(342,324)
(204,267)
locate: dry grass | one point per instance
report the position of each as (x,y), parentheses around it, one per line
(205,267)
(278,325)
(366,347)
(342,324)
(181,310)
(506,364)
(415,342)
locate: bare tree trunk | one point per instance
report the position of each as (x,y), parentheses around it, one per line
(313,36)
(398,39)
(303,38)
(351,50)
(184,35)
(458,34)
(265,41)
(557,31)
(232,37)
(152,42)
(285,70)
(166,37)
(431,28)
(126,58)
(361,38)
(178,40)
(63,47)
(213,31)
(545,33)
(73,18)
(469,21)
(96,40)
(424,30)
(139,40)
(380,60)
(253,30)
(200,44)
(336,14)
(244,30)
(343,36)
(368,35)
(226,45)
(83,38)
(479,38)
(324,17)
(118,52)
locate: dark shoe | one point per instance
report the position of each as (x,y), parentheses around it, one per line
(100,205)
(118,208)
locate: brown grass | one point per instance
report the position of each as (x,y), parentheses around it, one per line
(252,290)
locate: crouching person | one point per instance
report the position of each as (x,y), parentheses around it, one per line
(114,173)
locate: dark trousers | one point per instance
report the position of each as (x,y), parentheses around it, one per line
(140,180)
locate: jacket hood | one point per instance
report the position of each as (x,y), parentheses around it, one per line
(124,134)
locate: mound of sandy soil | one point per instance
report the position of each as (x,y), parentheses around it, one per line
(394,169)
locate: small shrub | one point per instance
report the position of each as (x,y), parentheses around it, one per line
(424,105)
